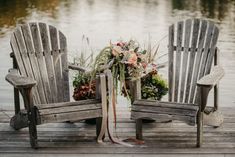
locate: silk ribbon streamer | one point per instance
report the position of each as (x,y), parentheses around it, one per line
(103,89)
(111,110)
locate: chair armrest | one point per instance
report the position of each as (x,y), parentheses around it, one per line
(76,67)
(19,81)
(207,82)
(213,78)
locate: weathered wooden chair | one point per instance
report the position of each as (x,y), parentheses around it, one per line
(192,49)
(40,56)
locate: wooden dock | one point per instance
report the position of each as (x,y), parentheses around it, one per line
(161,139)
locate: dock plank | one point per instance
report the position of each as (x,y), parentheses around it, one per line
(171,139)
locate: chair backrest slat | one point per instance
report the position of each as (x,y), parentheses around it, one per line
(192,59)
(23,55)
(64,64)
(215,36)
(179,40)
(45,90)
(171,61)
(49,61)
(187,36)
(38,92)
(41,53)
(207,47)
(198,59)
(57,62)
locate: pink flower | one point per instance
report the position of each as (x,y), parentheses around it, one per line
(121,44)
(144,64)
(132,58)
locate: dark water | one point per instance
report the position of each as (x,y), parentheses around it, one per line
(105,20)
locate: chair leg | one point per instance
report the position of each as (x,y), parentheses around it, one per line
(32,128)
(139,134)
(98,126)
(199,128)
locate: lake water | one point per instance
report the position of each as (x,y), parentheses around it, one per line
(103,21)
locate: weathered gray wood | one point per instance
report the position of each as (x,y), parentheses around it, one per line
(19,81)
(57,62)
(196,24)
(199,128)
(16,51)
(191,120)
(62,104)
(213,78)
(24,55)
(206,48)
(170,61)
(211,53)
(165,104)
(138,127)
(164,110)
(45,98)
(49,63)
(16,91)
(135,87)
(98,126)
(28,102)
(216,87)
(187,36)
(71,116)
(178,59)
(198,58)
(32,57)
(41,56)
(64,65)
(183,77)
(67,109)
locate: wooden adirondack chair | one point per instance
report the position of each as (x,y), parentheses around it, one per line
(40,56)
(192,49)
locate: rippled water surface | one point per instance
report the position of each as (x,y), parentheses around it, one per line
(105,20)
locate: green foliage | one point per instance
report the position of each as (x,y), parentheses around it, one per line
(81,79)
(153,87)
(126,61)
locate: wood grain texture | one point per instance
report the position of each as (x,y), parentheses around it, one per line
(199,51)
(32,57)
(40,51)
(64,66)
(178,59)
(195,32)
(71,116)
(188,60)
(19,81)
(213,78)
(187,36)
(49,62)
(57,62)
(42,70)
(171,62)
